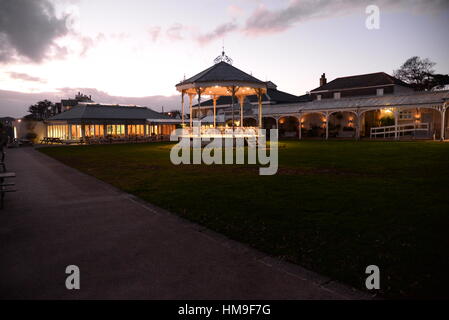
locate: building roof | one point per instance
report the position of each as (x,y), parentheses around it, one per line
(415,99)
(7,119)
(108,112)
(273,96)
(220,72)
(359,81)
(220,118)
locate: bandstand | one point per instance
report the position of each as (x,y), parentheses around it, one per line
(222,79)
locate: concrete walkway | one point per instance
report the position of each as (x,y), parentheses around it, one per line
(126,248)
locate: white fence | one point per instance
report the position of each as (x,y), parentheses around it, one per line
(400,129)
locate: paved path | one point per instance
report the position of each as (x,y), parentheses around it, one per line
(126,248)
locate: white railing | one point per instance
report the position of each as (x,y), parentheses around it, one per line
(400,129)
(224,132)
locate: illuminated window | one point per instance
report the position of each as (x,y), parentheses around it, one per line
(405,115)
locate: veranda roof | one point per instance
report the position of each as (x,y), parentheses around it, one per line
(412,100)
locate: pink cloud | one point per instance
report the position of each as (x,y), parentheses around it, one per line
(219,32)
(154,33)
(235,10)
(174,32)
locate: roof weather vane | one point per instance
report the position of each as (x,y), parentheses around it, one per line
(223,57)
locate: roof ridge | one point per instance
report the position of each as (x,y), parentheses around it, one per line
(360,75)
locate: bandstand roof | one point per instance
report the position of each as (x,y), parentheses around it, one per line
(217,80)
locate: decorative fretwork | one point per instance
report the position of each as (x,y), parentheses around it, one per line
(223,57)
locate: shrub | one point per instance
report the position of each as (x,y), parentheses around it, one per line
(30,136)
(386,121)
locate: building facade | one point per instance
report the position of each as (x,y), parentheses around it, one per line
(93,121)
(373,105)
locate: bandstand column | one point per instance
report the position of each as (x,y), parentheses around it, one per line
(300,128)
(182,107)
(215,111)
(191,111)
(241,100)
(259,100)
(198,91)
(232,107)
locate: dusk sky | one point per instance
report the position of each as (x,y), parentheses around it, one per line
(141,48)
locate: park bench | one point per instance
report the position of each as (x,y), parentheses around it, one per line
(2,162)
(5,187)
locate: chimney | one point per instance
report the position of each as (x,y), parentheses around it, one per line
(323,80)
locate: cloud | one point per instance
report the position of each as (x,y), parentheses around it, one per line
(28,30)
(88,43)
(119,36)
(264,20)
(235,10)
(154,33)
(174,32)
(218,32)
(25,77)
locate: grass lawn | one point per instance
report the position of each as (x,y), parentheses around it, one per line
(334,207)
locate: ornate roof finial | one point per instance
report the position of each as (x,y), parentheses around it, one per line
(223,57)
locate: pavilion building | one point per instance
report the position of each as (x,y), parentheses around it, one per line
(373,105)
(88,120)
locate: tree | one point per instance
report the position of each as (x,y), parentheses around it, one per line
(41,110)
(417,72)
(438,80)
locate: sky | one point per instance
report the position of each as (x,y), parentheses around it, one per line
(135,51)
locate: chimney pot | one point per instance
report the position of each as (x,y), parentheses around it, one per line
(323,80)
